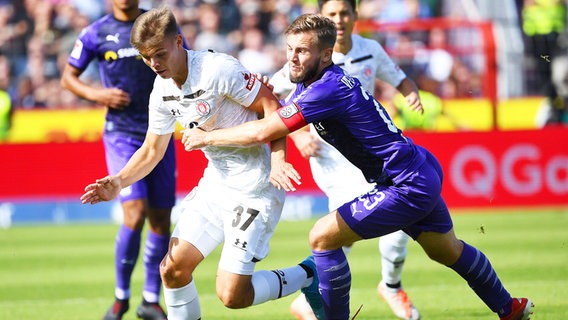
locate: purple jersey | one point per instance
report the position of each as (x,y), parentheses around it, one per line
(120,66)
(350,119)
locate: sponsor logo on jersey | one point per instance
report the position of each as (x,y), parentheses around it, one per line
(121,53)
(251,79)
(111,56)
(112,37)
(288,111)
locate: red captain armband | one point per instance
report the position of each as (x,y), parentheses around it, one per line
(292,117)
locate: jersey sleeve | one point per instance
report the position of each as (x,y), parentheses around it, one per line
(84,49)
(160,119)
(232,79)
(387,71)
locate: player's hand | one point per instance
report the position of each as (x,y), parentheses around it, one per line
(265,80)
(104,189)
(307,144)
(283,175)
(114,98)
(414,103)
(193,139)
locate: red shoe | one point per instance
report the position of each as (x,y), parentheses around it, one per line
(520,310)
(399,302)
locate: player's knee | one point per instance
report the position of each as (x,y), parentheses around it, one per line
(171,275)
(317,239)
(231,300)
(134,214)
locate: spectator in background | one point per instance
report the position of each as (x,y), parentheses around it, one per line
(16,28)
(253,54)
(209,35)
(127,83)
(441,72)
(542,22)
(395,10)
(5,98)
(557,112)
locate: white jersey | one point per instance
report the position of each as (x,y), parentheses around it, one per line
(215,95)
(365,61)
(235,202)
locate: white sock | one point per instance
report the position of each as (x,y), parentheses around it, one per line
(183,303)
(271,285)
(393,253)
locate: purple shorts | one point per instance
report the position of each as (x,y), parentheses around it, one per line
(414,205)
(159,187)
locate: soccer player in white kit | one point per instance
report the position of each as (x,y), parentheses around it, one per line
(366,60)
(239,199)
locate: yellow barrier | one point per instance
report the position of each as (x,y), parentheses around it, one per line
(518,113)
(57,125)
(71,125)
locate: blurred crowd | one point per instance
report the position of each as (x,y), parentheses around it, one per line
(37,36)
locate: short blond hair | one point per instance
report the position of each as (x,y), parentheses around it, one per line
(151,28)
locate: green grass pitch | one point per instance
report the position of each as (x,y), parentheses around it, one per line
(66,272)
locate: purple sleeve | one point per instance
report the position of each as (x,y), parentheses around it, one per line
(84,49)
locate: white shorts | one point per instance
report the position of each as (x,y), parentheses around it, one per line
(338,178)
(244,222)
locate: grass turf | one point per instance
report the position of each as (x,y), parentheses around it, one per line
(66,272)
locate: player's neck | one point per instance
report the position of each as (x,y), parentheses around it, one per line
(129,14)
(179,79)
(343,46)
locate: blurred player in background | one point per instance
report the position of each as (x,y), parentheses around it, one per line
(127,83)
(239,199)
(366,60)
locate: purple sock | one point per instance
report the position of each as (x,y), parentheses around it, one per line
(154,251)
(126,254)
(334,282)
(476,269)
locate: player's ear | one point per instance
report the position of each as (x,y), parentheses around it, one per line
(326,57)
(179,40)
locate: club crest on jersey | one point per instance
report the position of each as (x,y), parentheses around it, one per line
(202,107)
(288,111)
(251,79)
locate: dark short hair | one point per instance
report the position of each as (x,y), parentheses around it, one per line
(152,27)
(324,28)
(352,3)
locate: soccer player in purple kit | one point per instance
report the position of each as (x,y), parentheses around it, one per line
(408,178)
(127,83)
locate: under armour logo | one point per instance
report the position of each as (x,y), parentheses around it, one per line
(239,244)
